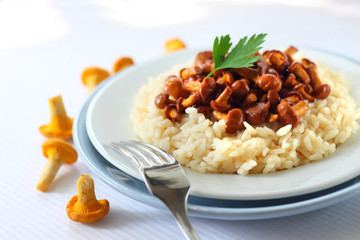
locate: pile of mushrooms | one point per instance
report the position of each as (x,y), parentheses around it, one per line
(276,88)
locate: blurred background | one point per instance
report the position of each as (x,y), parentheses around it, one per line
(45,44)
(68,35)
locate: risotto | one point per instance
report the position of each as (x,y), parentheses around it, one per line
(205,146)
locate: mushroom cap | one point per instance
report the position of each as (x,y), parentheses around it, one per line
(95,73)
(87,216)
(235,120)
(269,81)
(322,91)
(286,114)
(122,63)
(174,44)
(51,132)
(66,150)
(257,113)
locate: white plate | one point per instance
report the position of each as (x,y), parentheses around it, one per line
(108,116)
(204,207)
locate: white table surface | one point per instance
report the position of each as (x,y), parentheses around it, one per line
(45,45)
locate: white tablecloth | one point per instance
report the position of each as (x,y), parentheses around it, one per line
(45,45)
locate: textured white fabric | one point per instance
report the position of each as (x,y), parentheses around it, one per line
(45,45)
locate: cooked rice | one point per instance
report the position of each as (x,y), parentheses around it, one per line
(204,146)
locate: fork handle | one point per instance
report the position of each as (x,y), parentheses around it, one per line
(180,213)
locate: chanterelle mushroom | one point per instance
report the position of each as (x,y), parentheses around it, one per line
(122,63)
(57,152)
(174,44)
(84,207)
(92,76)
(60,125)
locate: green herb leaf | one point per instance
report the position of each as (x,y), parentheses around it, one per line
(240,55)
(220,49)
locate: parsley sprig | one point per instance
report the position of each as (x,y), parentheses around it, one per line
(240,55)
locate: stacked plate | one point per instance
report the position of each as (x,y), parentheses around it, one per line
(105,117)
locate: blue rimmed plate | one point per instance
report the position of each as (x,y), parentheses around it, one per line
(108,120)
(202,206)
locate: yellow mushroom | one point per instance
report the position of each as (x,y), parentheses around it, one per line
(122,63)
(60,125)
(84,207)
(92,76)
(174,44)
(57,152)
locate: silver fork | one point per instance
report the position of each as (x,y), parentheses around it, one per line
(164,177)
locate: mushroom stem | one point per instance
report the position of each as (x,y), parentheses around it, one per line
(51,168)
(57,152)
(191,100)
(291,50)
(86,192)
(299,70)
(219,115)
(191,86)
(171,113)
(59,118)
(221,103)
(60,125)
(92,82)
(300,108)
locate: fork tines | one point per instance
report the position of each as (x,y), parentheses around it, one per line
(143,154)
